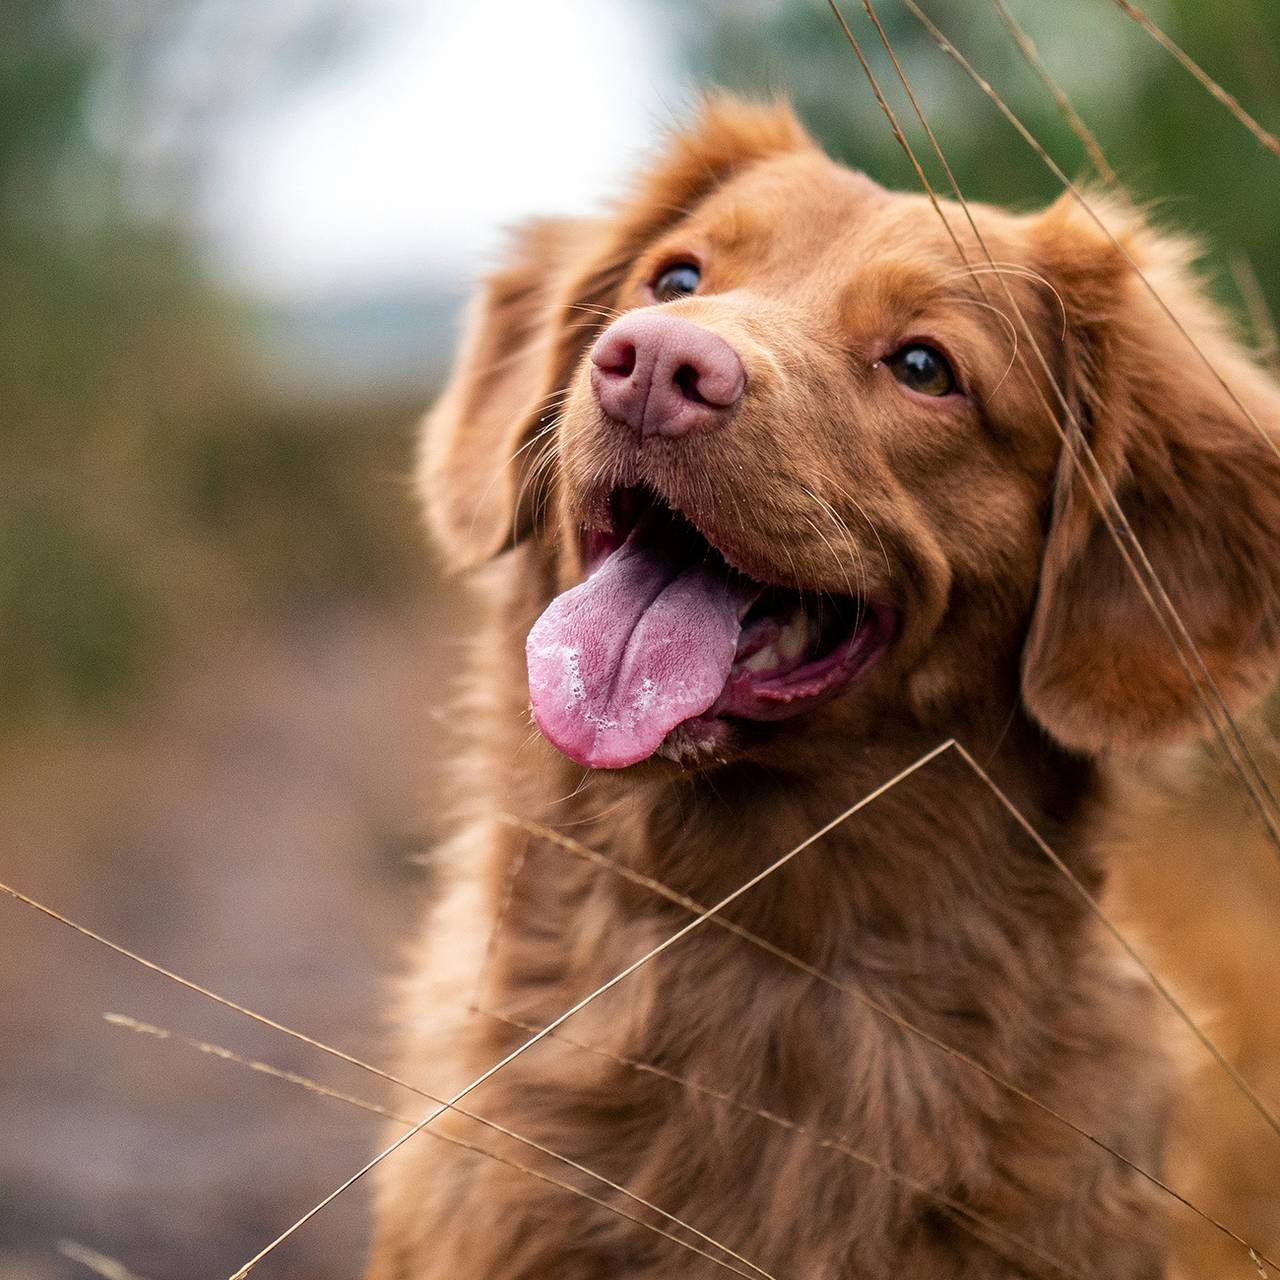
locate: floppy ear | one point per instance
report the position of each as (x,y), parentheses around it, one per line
(469,472)
(479,467)
(1199,485)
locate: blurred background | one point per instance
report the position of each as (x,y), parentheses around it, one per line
(234,236)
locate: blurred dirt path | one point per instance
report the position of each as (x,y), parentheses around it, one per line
(250,827)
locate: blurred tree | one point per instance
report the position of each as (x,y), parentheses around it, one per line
(74,621)
(145,493)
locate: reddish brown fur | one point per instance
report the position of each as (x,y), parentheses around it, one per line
(1021,636)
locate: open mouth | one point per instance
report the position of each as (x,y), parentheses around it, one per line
(664,632)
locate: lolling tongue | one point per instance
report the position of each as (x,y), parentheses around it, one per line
(644,643)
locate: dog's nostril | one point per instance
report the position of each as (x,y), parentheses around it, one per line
(687,378)
(619,359)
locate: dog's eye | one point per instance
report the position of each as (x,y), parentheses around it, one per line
(676,281)
(923,369)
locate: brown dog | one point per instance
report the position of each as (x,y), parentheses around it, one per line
(768,505)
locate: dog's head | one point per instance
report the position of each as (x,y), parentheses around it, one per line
(792,460)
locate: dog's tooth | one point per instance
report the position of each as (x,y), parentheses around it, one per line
(794,637)
(763,659)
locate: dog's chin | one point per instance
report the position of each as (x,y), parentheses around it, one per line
(668,651)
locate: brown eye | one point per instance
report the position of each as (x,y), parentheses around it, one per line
(677,281)
(923,369)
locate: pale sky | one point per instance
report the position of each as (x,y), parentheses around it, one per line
(401,163)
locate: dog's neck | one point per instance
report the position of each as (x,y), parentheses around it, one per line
(923,856)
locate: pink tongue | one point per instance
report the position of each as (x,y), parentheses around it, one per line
(644,643)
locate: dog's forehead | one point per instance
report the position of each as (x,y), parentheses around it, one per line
(800,197)
(805,212)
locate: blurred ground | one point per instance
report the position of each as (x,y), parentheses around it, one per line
(233,239)
(248,826)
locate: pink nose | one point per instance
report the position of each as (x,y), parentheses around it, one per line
(661,375)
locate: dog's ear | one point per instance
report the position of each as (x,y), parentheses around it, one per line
(470,471)
(479,469)
(1198,484)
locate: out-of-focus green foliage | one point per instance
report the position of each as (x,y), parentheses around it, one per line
(1169,141)
(143,493)
(72,621)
